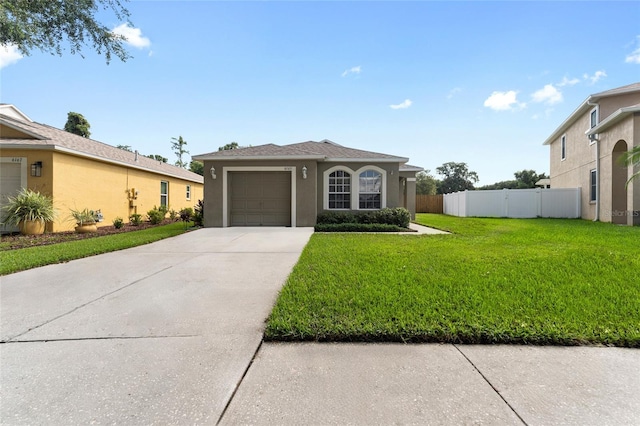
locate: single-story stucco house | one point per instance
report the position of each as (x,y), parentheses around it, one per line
(289,185)
(586,150)
(83,173)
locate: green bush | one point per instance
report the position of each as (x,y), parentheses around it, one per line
(173,215)
(198,215)
(136,219)
(156,216)
(118,222)
(358,227)
(398,216)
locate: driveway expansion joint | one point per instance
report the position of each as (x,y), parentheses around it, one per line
(11,338)
(486,379)
(244,374)
(79,339)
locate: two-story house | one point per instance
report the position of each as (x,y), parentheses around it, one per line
(586,151)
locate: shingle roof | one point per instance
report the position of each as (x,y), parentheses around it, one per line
(47,137)
(321,151)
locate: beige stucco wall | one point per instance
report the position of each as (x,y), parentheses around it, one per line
(78,183)
(574,171)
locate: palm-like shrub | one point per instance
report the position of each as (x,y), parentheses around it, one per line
(28,205)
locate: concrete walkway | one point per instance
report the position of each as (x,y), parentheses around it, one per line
(170,333)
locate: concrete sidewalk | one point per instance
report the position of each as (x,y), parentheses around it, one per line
(382,384)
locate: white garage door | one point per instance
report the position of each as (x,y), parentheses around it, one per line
(10,183)
(260,198)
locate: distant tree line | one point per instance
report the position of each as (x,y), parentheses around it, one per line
(458,177)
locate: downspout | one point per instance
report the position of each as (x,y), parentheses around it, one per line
(597,142)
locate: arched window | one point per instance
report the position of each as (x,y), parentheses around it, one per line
(370,190)
(340,190)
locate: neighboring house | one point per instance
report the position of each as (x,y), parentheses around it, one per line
(586,152)
(271,185)
(82,173)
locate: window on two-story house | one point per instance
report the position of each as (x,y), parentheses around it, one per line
(593,118)
(164,194)
(563,147)
(340,190)
(593,185)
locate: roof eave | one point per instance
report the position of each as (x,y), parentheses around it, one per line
(365,160)
(584,107)
(20,129)
(97,158)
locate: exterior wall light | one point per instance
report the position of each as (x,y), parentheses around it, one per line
(213,172)
(36,169)
(304,172)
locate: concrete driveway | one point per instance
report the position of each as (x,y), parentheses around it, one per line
(158,334)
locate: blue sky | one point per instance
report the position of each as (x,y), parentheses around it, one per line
(477,82)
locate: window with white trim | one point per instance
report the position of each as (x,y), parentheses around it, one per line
(370,190)
(164,194)
(339,190)
(188,192)
(593,117)
(593,185)
(563,147)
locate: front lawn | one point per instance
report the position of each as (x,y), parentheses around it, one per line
(536,281)
(31,257)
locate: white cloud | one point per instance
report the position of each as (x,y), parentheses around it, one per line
(352,70)
(568,82)
(634,57)
(133,36)
(454,92)
(548,94)
(9,55)
(504,101)
(404,105)
(593,79)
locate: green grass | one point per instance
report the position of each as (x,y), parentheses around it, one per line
(535,281)
(19,260)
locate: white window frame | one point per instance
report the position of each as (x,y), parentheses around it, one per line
(188,194)
(351,179)
(165,195)
(563,147)
(360,190)
(355,186)
(594,112)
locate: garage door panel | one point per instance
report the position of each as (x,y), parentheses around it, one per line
(260,198)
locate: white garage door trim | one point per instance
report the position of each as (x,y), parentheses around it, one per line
(225,189)
(22,162)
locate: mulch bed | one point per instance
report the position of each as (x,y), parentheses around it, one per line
(18,241)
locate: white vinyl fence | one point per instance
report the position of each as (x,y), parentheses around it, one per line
(516,203)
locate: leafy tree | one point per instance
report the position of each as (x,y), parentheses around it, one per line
(229,146)
(158,158)
(523,179)
(457,177)
(632,157)
(197,167)
(528,178)
(425,183)
(178,146)
(43,24)
(77,124)
(125,147)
